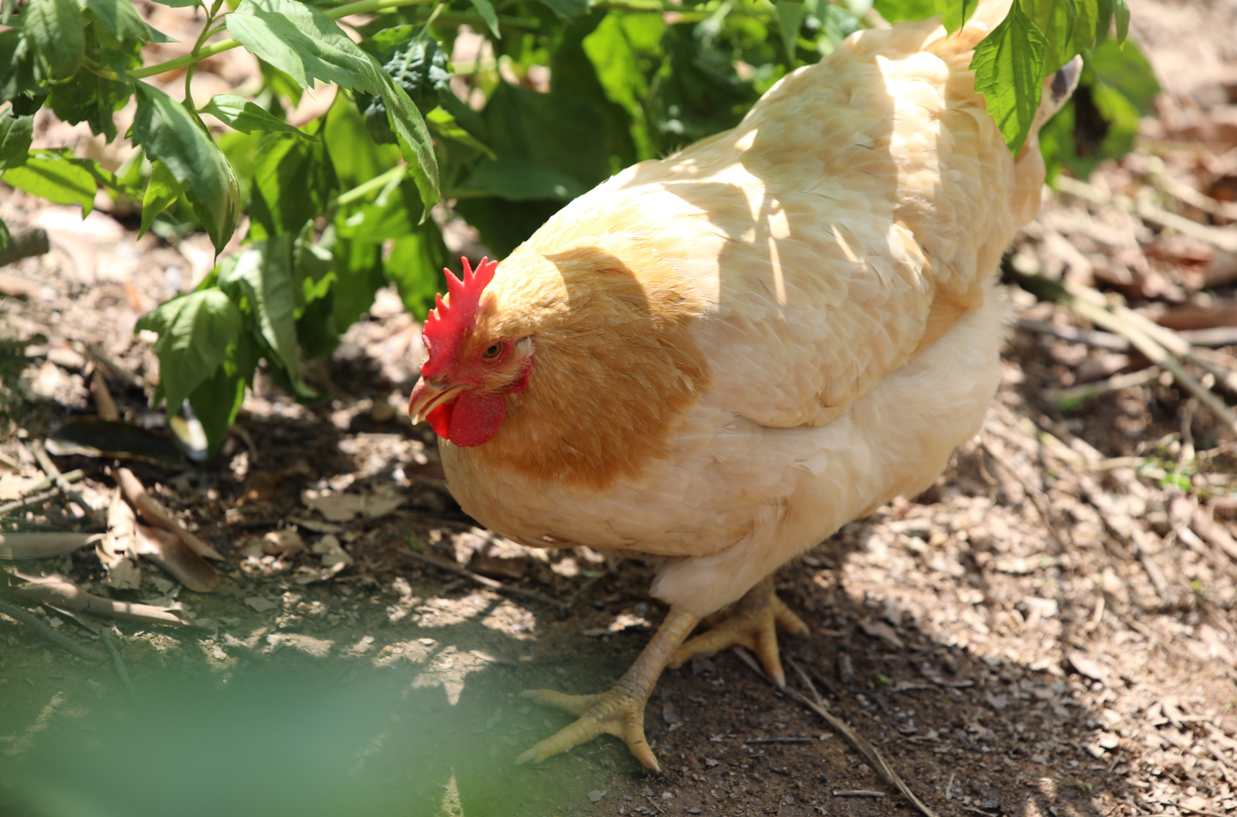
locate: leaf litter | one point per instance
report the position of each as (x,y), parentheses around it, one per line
(1048,630)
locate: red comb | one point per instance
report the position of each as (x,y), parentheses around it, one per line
(445,324)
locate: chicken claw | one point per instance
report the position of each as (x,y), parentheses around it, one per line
(620,711)
(750,623)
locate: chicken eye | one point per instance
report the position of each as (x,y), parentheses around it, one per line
(492,351)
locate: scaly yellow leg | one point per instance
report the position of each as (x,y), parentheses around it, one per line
(751,623)
(620,711)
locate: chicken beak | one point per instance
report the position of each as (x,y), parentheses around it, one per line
(428,395)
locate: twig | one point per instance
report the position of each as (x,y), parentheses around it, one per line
(857,793)
(48,633)
(858,742)
(484,581)
(34,493)
(10,463)
(150,509)
(53,473)
(1144,209)
(25,245)
(755,741)
(119,664)
(1079,394)
(115,368)
(1091,337)
(60,593)
(1089,304)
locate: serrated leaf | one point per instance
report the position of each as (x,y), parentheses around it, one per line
(121,19)
(306,44)
(246,117)
(1009,66)
(486,9)
(195,331)
(56,180)
(161,191)
(394,212)
(58,32)
(92,99)
(359,269)
(955,13)
(789,20)
(16,135)
(169,134)
(447,126)
(303,43)
(263,275)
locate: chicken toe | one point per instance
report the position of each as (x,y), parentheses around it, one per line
(620,711)
(751,623)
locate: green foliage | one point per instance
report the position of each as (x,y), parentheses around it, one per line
(341,206)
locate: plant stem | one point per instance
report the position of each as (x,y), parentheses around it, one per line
(365,188)
(362,7)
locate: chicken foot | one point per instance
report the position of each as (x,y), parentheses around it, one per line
(620,711)
(751,623)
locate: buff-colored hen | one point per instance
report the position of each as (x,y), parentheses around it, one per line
(723,356)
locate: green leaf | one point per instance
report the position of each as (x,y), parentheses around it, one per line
(92,99)
(1009,67)
(1121,12)
(895,11)
(18,82)
(162,191)
(566,9)
(262,274)
(121,19)
(245,116)
(16,134)
(518,179)
(57,31)
(306,44)
(292,182)
(955,13)
(216,402)
(789,20)
(194,333)
(415,266)
(394,211)
(447,126)
(4,235)
(358,266)
(1124,68)
(169,134)
(1068,26)
(55,179)
(486,9)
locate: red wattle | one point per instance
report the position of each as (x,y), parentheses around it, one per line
(473,420)
(440,418)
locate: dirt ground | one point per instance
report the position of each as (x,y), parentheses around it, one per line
(1049,631)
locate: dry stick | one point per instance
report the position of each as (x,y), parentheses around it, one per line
(48,633)
(484,581)
(115,368)
(1140,336)
(1127,380)
(119,664)
(60,593)
(151,510)
(53,473)
(857,741)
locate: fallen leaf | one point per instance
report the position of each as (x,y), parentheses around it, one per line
(260,604)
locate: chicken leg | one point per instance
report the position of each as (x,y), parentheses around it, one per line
(620,711)
(751,623)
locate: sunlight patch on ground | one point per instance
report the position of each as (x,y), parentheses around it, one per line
(444,612)
(511,619)
(448,669)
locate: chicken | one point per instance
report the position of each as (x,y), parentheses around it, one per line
(723,356)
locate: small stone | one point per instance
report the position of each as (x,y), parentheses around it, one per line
(595,796)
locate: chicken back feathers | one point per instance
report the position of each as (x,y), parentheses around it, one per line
(739,348)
